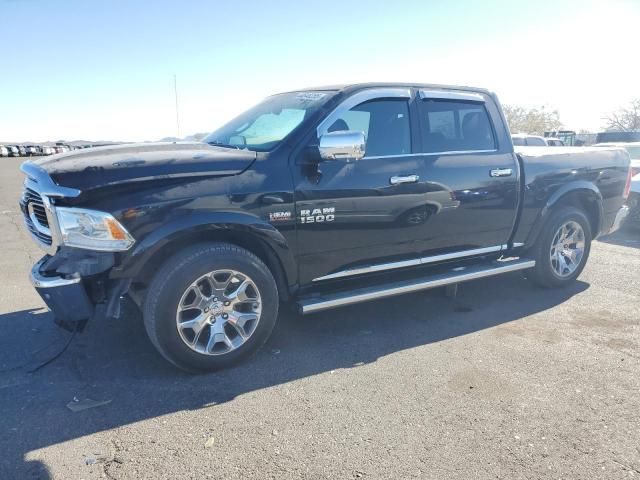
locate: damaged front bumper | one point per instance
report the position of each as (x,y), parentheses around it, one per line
(75,286)
(65,296)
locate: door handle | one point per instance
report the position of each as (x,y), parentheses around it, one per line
(397,180)
(501,172)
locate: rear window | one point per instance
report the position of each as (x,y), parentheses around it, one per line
(455,126)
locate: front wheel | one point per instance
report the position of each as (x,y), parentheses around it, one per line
(210,306)
(562,248)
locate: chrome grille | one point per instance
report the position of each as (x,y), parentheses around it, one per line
(40,236)
(32,197)
(35,215)
(37,204)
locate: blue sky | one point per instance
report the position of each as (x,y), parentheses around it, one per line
(104,70)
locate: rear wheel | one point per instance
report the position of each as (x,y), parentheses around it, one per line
(562,248)
(210,306)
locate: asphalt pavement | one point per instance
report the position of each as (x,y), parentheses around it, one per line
(505,381)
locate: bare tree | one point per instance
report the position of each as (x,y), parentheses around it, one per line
(535,121)
(625,119)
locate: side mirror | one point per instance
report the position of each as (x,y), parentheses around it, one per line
(343,145)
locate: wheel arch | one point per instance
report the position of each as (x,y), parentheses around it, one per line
(245,231)
(582,195)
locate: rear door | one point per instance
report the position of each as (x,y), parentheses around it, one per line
(469,161)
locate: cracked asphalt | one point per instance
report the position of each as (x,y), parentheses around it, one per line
(505,381)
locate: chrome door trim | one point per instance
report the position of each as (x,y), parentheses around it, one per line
(465,253)
(410,263)
(451,152)
(358,98)
(450,95)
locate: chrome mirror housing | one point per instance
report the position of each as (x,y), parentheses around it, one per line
(344,145)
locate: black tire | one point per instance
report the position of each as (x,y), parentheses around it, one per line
(543,274)
(175,277)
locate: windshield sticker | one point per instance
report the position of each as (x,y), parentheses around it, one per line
(310,97)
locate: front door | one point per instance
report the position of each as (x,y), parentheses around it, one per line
(362,213)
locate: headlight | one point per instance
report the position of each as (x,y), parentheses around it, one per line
(92,230)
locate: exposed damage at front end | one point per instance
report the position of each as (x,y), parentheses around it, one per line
(72,281)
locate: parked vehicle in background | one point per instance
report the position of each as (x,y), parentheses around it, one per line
(63,147)
(13,151)
(4,151)
(31,151)
(321,198)
(633,202)
(618,137)
(525,140)
(567,137)
(554,142)
(22,150)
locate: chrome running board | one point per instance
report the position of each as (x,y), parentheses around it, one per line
(456,275)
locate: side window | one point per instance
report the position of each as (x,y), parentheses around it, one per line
(455,126)
(518,141)
(385,124)
(536,142)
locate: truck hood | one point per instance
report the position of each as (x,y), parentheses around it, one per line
(115,165)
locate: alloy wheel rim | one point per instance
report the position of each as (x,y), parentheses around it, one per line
(219,312)
(567,249)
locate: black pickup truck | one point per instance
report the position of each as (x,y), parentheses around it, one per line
(320,198)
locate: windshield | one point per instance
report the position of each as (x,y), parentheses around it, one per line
(264,126)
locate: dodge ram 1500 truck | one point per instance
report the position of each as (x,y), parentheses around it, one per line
(320,198)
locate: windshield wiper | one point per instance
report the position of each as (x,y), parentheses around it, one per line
(224,145)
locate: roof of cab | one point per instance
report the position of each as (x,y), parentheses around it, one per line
(362,86)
